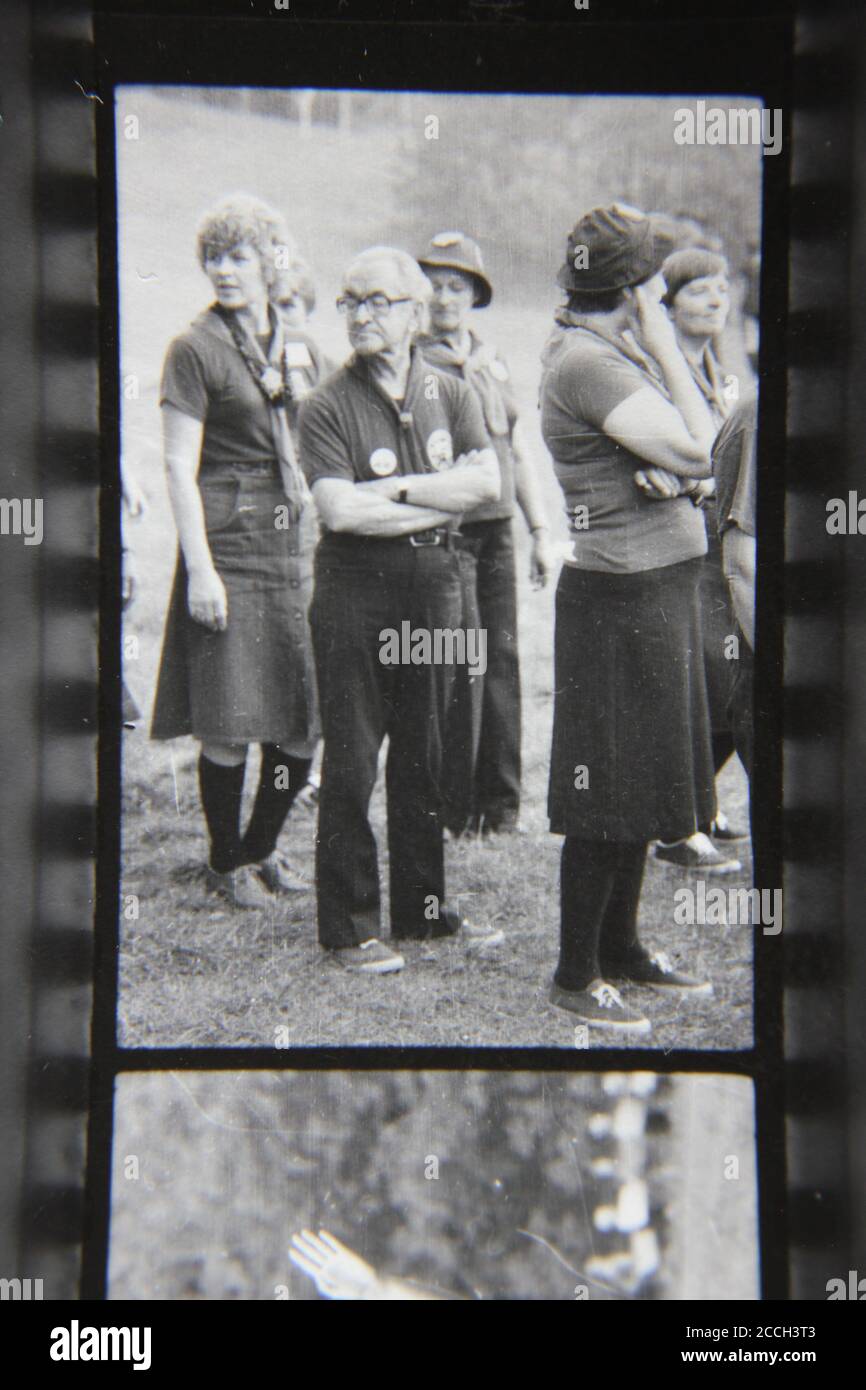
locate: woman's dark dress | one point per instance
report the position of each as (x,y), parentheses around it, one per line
(255,681)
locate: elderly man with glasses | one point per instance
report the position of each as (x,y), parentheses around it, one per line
(394,452)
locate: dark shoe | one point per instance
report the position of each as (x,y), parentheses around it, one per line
(698,852)
(722,829)
(601,1005)
(280,877)
(241,887)
(372,957)
(508,824)
(656,971)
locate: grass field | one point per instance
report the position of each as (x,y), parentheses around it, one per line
(195,974)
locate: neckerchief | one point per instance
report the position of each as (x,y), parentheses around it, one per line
(474,363)
(272,378)
(402,409)
(710,383)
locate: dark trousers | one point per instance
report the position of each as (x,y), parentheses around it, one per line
(363,587)
(481,777)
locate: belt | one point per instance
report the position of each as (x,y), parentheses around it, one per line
(437,535)
(444,536)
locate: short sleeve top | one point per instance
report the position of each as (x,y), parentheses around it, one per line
(615,527)
(350,428)
(204,376)
(735,471)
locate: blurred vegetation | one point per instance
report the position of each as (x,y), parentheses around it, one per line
(232,1164)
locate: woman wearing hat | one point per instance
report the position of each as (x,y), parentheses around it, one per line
(237,664)
(698,301)
(481,784)
(631,759)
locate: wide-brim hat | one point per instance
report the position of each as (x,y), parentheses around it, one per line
(457,251)
(611,248)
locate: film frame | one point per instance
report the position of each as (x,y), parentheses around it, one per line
(817,578)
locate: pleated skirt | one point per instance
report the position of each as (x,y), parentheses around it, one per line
(631,758)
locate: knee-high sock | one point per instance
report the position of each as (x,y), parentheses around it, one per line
(221,790)
(618,940)
(280,780)
(587,879)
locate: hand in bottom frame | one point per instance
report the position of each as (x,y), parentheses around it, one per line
(335,1270)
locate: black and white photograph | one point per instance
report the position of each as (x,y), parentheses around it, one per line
(432,648)
(376,1186)
(438,456)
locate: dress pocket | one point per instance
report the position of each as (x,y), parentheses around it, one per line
(220,502)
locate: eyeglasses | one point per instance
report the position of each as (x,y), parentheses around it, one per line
(378,304)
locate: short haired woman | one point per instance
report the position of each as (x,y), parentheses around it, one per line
(631,758)
(237,664)
(698,301)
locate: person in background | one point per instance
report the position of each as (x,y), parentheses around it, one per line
(734,467)
(392,465)
(237,662)
(482,756)
(631,760)
(296,298)
(297,295)
(133,507)
(698,301)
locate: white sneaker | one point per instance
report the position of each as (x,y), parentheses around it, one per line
(372,957)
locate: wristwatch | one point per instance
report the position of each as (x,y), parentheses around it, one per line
(403,495)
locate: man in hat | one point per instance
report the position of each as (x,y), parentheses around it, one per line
(482,759)
(392,464)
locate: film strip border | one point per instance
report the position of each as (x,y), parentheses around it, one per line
(61,468)
(819,938)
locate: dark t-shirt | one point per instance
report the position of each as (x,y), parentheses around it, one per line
(205,376)
(349,428)
(585,379)
(735,471)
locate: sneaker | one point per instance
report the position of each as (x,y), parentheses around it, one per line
(475,937)
(241,887)
(721,829)
(372,957)
(602,1005)
(657,971)
(501,825)
(280,877)
(698,852)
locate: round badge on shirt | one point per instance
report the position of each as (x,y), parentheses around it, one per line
(383,462)
(439,450)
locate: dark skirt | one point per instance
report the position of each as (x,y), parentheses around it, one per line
(630,707)
(254,682)
(718,622)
